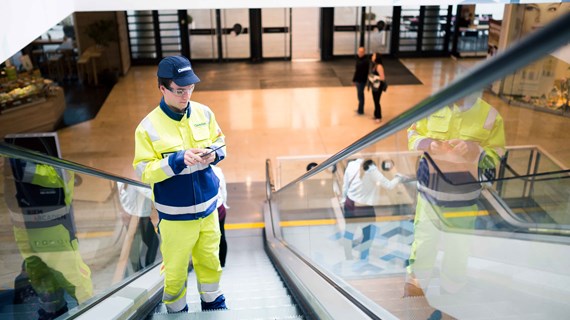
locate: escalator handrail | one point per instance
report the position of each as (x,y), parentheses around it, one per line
(282,254)
(529,49)
(29,155)
(523,177)
(509,217)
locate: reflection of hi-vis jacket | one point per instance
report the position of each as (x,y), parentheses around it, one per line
(481,124)
(180,192)
(43,193)
(44,231)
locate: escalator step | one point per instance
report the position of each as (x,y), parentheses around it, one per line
(240,295)
(281,312)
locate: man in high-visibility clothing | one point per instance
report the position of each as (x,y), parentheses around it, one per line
(39,202)
(463,144)
(174,147)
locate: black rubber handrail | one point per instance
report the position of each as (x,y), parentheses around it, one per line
(12,151)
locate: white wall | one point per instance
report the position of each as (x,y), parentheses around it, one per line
(22,22)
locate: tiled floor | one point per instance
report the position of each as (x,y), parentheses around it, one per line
(262,124)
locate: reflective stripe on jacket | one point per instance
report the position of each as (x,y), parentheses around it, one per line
(179,192)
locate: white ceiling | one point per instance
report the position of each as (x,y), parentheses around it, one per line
(23,21)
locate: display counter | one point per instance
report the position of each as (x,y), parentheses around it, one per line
(39,115)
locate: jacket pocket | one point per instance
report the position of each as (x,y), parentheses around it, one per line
(163,149)
(475,134)
(438,127)
(201,135)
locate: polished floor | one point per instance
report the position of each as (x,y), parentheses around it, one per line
(262,124)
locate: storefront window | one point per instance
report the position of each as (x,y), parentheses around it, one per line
(544,84)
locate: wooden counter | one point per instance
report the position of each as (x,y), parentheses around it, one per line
(37,116)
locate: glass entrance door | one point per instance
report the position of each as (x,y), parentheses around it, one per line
(276,36)
(235,33)
(202,33)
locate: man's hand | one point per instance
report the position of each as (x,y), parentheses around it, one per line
(468,150)
(192,156)
(209,158)
(439,147)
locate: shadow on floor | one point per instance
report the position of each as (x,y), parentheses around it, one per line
(83,101)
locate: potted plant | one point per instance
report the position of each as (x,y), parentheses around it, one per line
(102,32)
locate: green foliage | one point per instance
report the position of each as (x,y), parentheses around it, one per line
(102,32)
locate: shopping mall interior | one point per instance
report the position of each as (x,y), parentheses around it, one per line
(454,204)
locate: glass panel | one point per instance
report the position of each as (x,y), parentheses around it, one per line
(379,40)
(65,237)
(305,33)
(141,34)
(435,21)
(202,28)
(409,24)
(236,42)
(465,213)
(347,30)
(276,33)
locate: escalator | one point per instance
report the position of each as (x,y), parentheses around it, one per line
(252,287)
(504,257)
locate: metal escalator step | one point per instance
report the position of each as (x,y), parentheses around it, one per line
(242,294)
(282,312)
(250,273)
(250,303)
(251,286)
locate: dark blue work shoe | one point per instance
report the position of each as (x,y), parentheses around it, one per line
(219,303)
(436,315)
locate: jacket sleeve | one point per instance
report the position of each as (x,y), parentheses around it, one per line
(494,146)
(217,137)
(380,178)
(150,168)
(417,136)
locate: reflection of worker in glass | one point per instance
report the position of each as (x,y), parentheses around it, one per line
(44,229)
(360,188)
(465,142)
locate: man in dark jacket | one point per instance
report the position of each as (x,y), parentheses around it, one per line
(360,77)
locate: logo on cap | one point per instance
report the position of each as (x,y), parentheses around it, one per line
(184,69)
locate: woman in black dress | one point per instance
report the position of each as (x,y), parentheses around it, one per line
(375,79)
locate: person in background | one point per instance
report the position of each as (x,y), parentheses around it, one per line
(175,144)
(222,207)
(361,77)
(137,202)
(360,187)
(376,82)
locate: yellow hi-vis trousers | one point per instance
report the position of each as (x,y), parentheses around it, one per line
(429,239)
(54,264)
(180,240)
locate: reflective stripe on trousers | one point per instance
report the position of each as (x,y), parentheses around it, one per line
(180,240)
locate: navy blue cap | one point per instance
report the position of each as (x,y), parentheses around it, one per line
(179,69)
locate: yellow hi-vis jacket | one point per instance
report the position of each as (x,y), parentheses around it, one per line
(482,126)
(481,123)
(179,192)
(43,193)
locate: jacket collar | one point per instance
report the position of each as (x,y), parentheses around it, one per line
(174,115)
